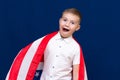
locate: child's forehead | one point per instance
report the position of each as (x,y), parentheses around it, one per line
(70,15)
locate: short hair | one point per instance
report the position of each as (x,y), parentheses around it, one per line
(73,11)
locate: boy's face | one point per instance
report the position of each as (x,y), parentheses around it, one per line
(68,24)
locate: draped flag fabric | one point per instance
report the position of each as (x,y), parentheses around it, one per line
(28,63)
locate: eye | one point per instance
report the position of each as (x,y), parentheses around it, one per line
(72,22)
(64,19)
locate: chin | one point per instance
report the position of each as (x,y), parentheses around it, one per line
(64,35)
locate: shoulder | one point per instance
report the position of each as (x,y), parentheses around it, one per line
(77,46)
(47,36)
(76,43)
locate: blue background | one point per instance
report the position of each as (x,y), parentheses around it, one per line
(23,21)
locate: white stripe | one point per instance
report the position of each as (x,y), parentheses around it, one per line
(40,66)
(7,75)
(85,77)
(27,60)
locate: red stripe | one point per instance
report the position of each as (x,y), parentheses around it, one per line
(81,74)
(38,56)
(17,63)
(81,67)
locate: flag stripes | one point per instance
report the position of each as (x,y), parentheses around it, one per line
(29,58)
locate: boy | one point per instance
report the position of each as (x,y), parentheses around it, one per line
(63,58)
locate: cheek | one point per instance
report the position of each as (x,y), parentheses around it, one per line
(61,23)
(73,28)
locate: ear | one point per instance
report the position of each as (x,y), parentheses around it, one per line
(78,28)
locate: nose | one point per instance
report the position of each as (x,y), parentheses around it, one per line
(67,24)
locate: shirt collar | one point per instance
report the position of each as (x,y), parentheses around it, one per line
(67,40)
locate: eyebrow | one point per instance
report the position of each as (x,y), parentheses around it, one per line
(63,17)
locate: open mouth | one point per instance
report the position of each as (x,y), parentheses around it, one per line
(65,29)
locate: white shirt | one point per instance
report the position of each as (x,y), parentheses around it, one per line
(59,57)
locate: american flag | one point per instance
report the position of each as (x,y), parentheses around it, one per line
(28,63)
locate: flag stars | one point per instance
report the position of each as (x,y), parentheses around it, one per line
(37,74)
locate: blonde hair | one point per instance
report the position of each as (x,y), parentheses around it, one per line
(73,11)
